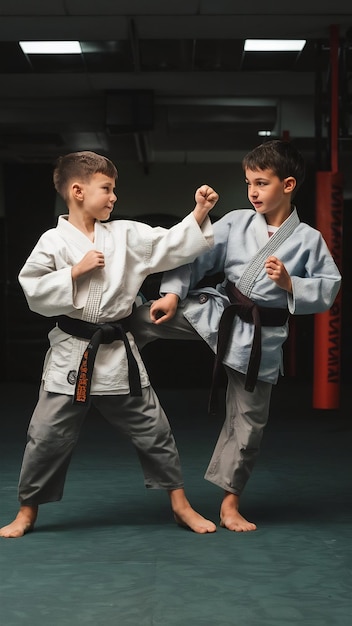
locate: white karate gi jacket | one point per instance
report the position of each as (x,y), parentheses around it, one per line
(238,237)
(132,251)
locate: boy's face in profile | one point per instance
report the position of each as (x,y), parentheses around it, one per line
(269,195)
(98,197)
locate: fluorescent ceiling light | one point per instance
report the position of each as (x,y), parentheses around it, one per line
(272,45)
(51,47)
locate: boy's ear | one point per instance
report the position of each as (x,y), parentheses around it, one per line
(77,191)
(289,184)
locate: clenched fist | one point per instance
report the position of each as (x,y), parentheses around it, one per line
(205,198)
(91,261)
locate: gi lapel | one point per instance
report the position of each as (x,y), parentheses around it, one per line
(74,237)
(255,266)
(92,306)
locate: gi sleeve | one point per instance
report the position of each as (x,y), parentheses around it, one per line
(316,290)
(46,280)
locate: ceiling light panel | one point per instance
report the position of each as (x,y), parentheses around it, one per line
(50,47)
(274,45)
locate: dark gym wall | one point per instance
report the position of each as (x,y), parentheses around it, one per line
(29,199)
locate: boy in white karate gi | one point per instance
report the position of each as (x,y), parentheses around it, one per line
(86,274)
(274,265)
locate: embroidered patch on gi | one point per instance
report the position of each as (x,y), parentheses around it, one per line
(203,298)
(72,377)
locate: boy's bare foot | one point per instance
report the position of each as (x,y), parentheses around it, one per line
(22,524)
(186,516)
(189,518)
(231,518)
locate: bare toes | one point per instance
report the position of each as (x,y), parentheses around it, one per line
(195,522)
(237,524)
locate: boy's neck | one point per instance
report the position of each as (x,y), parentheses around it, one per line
(280,217)
(87,227)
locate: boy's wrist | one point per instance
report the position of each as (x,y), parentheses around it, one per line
(172,296)
(200,213)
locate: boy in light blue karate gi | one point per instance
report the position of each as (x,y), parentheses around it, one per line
(274,266)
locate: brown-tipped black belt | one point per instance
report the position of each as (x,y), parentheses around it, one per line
(251,313)
(98,334)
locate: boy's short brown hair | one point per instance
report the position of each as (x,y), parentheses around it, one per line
(282,157)
(81,166)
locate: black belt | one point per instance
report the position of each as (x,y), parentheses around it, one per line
(251,313)
(97,334)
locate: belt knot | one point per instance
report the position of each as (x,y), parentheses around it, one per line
(108,332)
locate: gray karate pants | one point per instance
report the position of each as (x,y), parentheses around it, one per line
(53,433)
(247,412)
